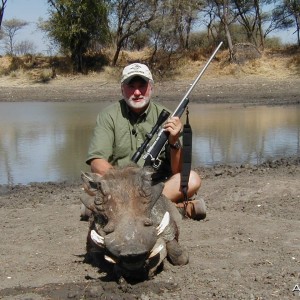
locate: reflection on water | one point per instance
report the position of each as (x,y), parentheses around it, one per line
(48,141)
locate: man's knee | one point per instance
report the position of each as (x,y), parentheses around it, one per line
(194,181)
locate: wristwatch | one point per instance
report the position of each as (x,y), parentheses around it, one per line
(175,146)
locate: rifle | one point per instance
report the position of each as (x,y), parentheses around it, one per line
(153,151)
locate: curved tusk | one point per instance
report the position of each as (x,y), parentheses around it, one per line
(97,239)
(109,259)
(164,223)
(156,250)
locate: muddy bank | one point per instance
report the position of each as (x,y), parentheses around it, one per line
(245,90)
(248,247)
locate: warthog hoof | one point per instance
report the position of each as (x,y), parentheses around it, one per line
(85,213)
(176,254)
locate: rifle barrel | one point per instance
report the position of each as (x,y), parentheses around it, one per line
(198,77)
(153,151)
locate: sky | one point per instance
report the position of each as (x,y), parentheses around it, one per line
(32,10)
(29,11)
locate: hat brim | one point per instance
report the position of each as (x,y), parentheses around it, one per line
(128,79)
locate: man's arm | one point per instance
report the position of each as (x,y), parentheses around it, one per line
(174,126)
(100,166)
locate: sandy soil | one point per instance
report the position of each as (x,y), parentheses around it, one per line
(248,247)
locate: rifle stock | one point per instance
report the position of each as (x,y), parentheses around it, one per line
(152,153)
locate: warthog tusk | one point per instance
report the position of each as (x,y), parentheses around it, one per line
(109,259)
(156,250)
(97,239)
(86,176)
(164,223)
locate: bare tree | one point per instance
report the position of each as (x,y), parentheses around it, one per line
(10,29)
(131,16)
(2,7)
(24,47)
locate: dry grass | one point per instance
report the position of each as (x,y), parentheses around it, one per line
(272,64)
(267,66)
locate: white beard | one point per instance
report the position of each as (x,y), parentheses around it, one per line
(140,104)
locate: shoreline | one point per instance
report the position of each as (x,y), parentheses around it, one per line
(248,90)
(284,164)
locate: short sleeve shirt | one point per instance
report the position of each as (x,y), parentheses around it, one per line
(119,133)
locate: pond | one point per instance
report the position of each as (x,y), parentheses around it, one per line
(42,142)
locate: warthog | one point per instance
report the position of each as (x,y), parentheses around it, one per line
(133,225)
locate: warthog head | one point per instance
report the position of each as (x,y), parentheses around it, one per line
(130,223)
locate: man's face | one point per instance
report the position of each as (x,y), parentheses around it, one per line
(137,93)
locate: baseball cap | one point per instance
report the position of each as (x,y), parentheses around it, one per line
(136,69)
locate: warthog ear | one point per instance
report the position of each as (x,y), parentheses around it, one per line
(146,184)
(94,182)
(91,179)
(144,178)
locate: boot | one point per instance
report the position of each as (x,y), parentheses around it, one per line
(195,209)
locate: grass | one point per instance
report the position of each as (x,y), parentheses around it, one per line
(274,63)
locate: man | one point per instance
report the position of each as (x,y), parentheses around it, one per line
(121,128)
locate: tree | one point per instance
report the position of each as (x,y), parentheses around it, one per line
(293,7)
(2,7)
(130,16)
(74,25)
(221,16)
(10,29)
(253,19)
(25,47)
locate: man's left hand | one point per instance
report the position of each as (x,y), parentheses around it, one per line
(173,125)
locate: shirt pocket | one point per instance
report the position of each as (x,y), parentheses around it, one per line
(122,143)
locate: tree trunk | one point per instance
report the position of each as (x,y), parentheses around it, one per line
(298,29)
(259,24)
(2,11)
(116,56)
(226,28)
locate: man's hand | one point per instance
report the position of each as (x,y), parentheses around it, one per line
(173,125)
(100,166)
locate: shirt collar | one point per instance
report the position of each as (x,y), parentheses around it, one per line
(136,117)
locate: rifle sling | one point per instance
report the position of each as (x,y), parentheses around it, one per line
(186,156)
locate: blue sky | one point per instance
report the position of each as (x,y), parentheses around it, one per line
(32,10)
(29,11)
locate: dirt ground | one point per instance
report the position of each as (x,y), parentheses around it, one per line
(248,247)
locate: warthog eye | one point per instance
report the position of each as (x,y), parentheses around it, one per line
(110,227)
(148,222)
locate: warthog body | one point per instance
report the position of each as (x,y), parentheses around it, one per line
(133,225)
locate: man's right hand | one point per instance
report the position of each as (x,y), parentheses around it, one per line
(100,166)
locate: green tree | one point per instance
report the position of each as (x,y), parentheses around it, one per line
(293,8)
(287,15)
(74,25)
(220,17)
(184,14)
(252,17)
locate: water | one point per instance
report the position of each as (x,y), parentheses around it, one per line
(48,141)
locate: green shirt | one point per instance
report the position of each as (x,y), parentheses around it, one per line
(119,133)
